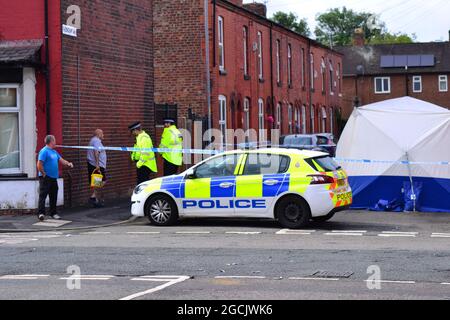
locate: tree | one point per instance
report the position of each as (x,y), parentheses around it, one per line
(393,38)
(336,26)
(291,21)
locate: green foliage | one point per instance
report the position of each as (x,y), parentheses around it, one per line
(291,21)
(392,38)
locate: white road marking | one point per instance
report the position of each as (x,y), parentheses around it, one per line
(243,232)
(343,234)
(24,277)
(88,277)
(349,231)
(446,283)
(240,277)
(440,235)
(193,232)
(300,232)
(391,281)
(398,234)
(173,280)
(308,278)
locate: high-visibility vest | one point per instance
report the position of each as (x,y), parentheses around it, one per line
(172,139)
(135,155)
(144,158)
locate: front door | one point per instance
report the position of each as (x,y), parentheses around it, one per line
(210,192)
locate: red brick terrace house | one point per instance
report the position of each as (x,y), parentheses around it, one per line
(69,67)
(373,73)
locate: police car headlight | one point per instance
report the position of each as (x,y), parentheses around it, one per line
(140,188)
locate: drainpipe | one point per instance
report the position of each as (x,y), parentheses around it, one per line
(309,89)
(207,62)
(47,70)
(214,33)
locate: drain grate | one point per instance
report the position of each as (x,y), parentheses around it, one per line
(332,274)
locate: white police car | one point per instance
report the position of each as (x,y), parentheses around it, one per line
(292,186)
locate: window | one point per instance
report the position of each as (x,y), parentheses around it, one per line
(324,119)
(303,63)
(9,129)
(278,62)
(322,71)
(304,119)
(417,84)
(261,120)
(443,83)
(331,77)
(223,120)
(383,85)
(278,116)
(223,166)
(290,118)
(331,120)
(289,65)
(262,163)
(246,115)
(313,75)
(312,118)
(338,73)
(260,56)
(245,41)
(297,120)
(221,45)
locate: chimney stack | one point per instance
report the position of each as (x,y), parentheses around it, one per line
(359,38)
(258,8)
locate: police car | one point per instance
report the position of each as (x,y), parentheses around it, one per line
(291,186)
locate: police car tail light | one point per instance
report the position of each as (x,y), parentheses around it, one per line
(320,179)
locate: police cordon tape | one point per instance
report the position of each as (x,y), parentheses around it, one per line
(214,152)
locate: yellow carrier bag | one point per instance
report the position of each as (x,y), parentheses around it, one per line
(96,179)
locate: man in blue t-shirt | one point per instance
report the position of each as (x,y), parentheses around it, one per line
(48,167)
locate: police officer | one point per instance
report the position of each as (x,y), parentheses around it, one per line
(171,139)
(145,160)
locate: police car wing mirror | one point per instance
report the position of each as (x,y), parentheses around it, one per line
(190,174)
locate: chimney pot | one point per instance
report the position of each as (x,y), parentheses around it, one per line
(258,8)
(359,38)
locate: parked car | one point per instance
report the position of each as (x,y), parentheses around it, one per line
(316,142)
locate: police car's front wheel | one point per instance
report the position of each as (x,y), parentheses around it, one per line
(293,212)
(161,210)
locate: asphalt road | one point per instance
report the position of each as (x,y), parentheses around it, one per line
(400,256)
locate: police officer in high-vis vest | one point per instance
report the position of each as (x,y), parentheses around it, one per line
(145,160)
(171,139)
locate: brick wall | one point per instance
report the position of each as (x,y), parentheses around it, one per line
(364,88)
(107,83)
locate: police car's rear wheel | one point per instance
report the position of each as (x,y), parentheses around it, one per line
(323,218)
(161,210)
(293,212)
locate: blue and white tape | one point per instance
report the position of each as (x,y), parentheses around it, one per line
(214,152)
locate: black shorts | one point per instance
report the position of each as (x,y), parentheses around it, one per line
(91,169)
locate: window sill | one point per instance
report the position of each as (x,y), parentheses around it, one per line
(290,86)
(247,77)
(279,84)
(261,80)
(222,72)
(14,176)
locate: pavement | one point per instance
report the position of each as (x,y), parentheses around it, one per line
(357,255)
(80,217)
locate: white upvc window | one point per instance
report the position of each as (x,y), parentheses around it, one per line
(278,57)
(303,64)
(304,119)
(297,120)
(324,119)
(245,41)
(246,115)
(313,115)
(221,44)
(260,56)
(417,84)
(290,117)
(382,85)
(278,115)
(10,131)
(313,71)
(331,71)
(443,83)
(223,120)
(322,71)
(262,136)
(331,120)
(289,65)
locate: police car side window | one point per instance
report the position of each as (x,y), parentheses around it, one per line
(258,164)
(217,167)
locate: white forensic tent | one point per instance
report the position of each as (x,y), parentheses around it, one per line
(388,143)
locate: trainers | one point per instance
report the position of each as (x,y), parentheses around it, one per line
(41,217)
(56,217)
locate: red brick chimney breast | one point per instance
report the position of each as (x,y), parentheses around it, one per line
(258,8)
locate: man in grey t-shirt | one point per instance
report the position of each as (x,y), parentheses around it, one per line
(96,161)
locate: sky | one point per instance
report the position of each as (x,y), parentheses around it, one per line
(429,19)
